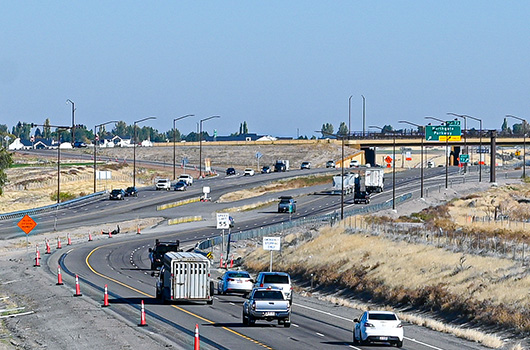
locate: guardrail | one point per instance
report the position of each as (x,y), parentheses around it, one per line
(323,219)
(184,219)
(51,207)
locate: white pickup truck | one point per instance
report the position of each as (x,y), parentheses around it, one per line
(267,304)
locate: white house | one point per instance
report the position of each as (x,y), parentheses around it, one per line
(18,144)
(146,143)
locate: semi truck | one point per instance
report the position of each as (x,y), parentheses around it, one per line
(281,165)
(349,182)
(185,276)
(374,180)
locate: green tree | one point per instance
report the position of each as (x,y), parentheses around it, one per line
(343,129)
(5,162)
(47,133)
(387,129)
(505,129)
(326,129)
(120,129)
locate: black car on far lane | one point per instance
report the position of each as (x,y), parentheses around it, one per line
(131,192)
(230,171)
(117,193)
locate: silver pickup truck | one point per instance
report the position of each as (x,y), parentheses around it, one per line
(267,304)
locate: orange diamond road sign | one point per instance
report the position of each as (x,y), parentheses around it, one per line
(388,159)
(27,224)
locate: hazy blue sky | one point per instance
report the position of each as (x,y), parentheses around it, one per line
(279,65)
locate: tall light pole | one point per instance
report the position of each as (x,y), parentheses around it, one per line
(349,114)
(480,148)
(134,147)
(465,134)
(523,122)
(59,129)
(174,141)
(96,141)
(364,114)
(393,164)
(200,142)
(73,120)
(446,148)
(421,161)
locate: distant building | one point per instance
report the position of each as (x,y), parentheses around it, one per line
(243,137)
(19,144)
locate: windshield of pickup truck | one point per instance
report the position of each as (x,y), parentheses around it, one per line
(268,295)
(280,279)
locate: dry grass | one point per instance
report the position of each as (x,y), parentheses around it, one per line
(483,289)
(277,186)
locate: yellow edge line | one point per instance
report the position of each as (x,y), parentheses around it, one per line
(176,307)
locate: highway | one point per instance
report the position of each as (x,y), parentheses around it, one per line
(123,264)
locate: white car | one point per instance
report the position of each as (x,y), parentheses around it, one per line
(235,282)
(354,163)
(378,326)
(249,172)
(187,178)
(163,184)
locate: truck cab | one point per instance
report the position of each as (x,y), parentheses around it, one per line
(156,254)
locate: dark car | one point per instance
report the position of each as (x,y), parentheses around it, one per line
(180,186)
(361,197)
(286,205)
(230,171)
(156,254)
(117,193)
(266,170)
(79,144)
(131,192)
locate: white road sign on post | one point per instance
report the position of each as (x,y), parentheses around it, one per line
(271,243)
(223,221)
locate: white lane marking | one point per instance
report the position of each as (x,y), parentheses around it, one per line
(424,344)
(231,303)
(354,347)
(295,325)
(320,334)
(347,319)
(324,312)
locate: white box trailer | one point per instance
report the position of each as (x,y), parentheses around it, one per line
(185,276)
(349,182)
(374,180)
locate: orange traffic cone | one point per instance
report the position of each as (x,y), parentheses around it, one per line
(137,229)
(59,277)
(106,298)
(59,243)
(77,288)
(197,344)
(221,262)
(142,316)
(89,237)
(48,250)
(69,240)
(110,234)
(37,257)
(232,261)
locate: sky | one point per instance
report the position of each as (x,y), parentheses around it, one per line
(284,67)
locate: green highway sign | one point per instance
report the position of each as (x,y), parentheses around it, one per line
(464,158)
(441,132)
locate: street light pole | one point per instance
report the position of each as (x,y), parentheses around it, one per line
(96,141)
(73,121)
(364,114)
(349,114)
(134,147)
(446,148)
(523,122)
(200,142)
(465,135)
(480,148)
(174,140)
(393,164)
(421,161)
(59,129)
